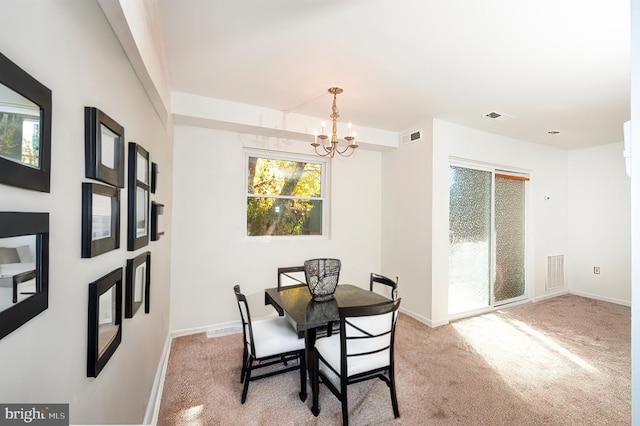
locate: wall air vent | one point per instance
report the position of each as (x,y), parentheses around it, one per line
(555,272)
(497,116)
(411,137)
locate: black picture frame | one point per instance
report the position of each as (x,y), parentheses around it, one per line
(23,86)
(147,288)
(17,224)
(138,197)
(154,177)
(137,283)
(100,219)
(157,209)
(103,148)
(104,321)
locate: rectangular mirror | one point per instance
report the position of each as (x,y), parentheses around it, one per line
(138,197)
(138,276)
(141,212)
(24,268)
(25,129)
(104,320)
(103,147)
(157,210)
(100,219)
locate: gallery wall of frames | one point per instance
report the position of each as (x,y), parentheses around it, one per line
(25,162)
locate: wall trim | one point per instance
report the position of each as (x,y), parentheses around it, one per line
(424,320)
(549,295)
(153,406)
(604,299)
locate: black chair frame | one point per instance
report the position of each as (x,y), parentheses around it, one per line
(248,358)
(385,373)
(381,279)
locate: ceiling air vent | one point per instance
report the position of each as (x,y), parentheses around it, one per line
(497,116)
(411,137)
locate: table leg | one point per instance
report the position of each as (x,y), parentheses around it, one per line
(312,365)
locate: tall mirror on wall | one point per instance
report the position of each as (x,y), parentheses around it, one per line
(105,320)
(25,129)
(138,196)
(24,268)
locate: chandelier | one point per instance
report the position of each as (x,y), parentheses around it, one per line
(334,145)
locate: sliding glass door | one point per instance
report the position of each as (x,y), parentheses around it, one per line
(486,238)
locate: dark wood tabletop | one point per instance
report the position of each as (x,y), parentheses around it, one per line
(304,313)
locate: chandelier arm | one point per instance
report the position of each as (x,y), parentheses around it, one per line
(345,150)
(315,148)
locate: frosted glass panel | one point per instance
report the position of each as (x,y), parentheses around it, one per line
(469,239)
(509,225)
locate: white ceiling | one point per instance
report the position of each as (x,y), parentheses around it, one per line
(550,64)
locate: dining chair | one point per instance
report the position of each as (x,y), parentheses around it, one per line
(266,343)
(381,279)
(362,351)
(291,275)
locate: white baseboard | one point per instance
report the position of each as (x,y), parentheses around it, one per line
(153,407)
(604,299)
(549,295)
(422,319)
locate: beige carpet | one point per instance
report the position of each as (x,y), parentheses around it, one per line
(562,361)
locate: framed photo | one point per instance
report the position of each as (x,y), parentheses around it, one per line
(25,136)
(24,268)
(103,147)
(154,177)
(104,320)
(138,208)
(156,211)
(100,219)
(138,283)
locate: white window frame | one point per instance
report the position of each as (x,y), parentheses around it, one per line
(324,196)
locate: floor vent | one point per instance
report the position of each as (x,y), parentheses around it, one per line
(216,332)
(411,137)
(555,272)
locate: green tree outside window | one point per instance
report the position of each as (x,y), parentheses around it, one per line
(284,197)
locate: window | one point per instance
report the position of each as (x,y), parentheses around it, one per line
(286,194)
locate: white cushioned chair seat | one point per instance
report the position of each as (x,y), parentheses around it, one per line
(329,349)
(275,335)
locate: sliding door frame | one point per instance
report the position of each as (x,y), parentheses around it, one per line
(526,175)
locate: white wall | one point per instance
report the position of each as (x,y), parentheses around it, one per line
(547,225)
(210,252)
(406,227)
(599,224)
(69,47)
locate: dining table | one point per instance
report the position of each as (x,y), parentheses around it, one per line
(308,317)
